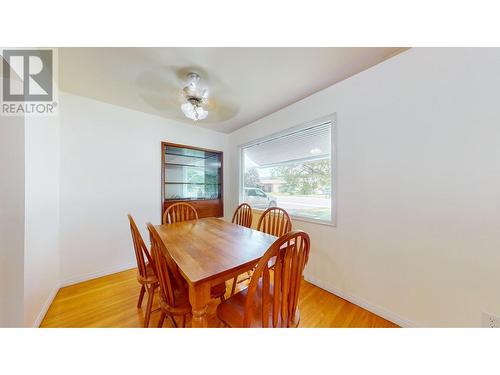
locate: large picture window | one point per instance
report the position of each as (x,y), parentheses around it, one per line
(292,170)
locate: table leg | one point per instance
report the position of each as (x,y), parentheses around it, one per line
(199,297)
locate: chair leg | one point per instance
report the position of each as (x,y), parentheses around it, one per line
(151,296)
(174,323)
(223,297)
(162,318)
(184,321)
(141,296)
(233,288)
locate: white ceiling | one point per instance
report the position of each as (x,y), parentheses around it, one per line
(247,83)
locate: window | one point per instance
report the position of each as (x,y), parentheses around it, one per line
(292,170)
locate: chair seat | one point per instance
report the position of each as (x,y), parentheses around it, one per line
(232,310)
(181,306)
(150,276)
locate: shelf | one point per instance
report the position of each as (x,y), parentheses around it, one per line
(191,156)
(190,165)
(189,183)
(191,199)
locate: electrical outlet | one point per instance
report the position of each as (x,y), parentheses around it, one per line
(490,320)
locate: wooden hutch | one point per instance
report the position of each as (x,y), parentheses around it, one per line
(192,175)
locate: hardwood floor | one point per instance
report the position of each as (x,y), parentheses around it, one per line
(110,301)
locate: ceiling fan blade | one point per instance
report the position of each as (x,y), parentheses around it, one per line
(158,80)
(223,112)
(211,104)
(162,105)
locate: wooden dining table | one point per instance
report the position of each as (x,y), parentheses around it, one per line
(210,251)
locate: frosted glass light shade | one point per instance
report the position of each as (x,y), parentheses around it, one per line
(193,112)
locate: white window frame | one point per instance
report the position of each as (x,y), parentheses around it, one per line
(332,118)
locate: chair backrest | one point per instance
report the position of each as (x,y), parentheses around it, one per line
(243,215)
(275,221)
(179,212)
(141,251)
(290,253)
(166,270)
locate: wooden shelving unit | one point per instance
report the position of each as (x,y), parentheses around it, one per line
(193,175)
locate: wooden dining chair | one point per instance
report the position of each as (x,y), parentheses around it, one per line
(275,221)
(145,270)
(174,294)
(174,297)
(243,215)
(179,212)
(266,302)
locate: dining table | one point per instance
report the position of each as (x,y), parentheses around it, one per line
(209,251)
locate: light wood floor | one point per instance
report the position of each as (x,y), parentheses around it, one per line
(110,301)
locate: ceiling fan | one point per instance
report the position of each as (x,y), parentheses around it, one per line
(196,98)
(187,94)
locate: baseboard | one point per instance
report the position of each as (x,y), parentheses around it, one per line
(388,315)
(45,308)
(95,275)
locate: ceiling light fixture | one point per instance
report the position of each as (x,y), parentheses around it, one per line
(195,98)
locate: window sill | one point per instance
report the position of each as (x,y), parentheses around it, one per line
(302,219)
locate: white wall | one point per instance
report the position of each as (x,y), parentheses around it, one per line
(111,166)
(11,220)
(417,237)
(41,253)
